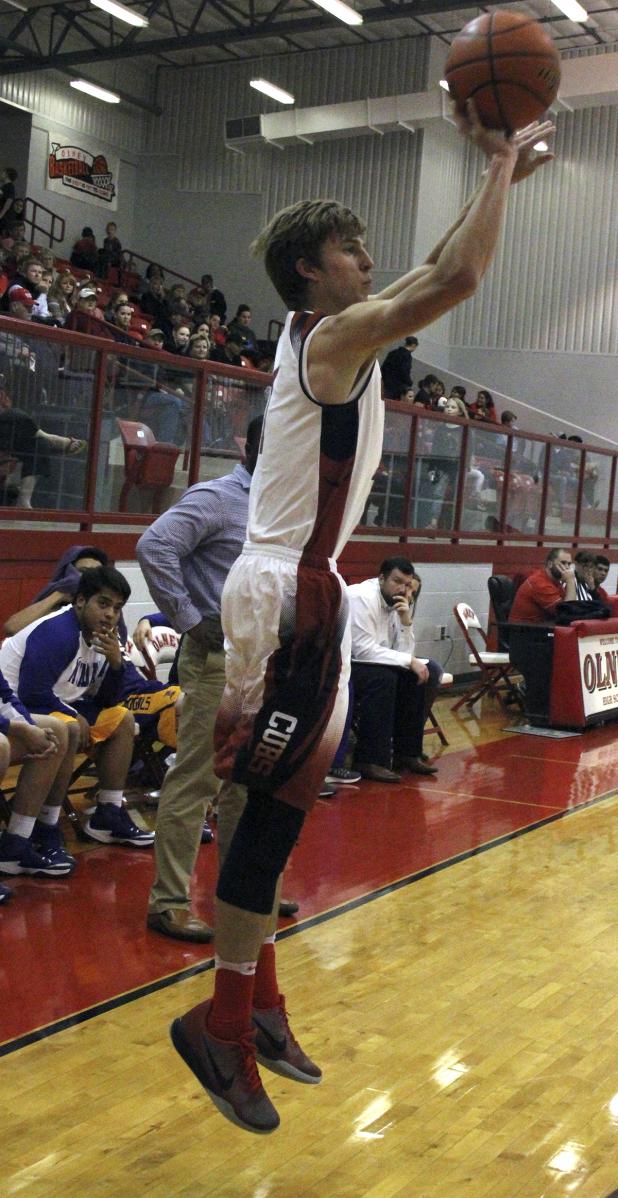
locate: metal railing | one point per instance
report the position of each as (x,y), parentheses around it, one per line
(127,269)
(444,482)
(52,229)
(76,387)
(456,481)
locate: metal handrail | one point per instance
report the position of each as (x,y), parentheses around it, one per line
(506,463)
(126,268)
(57,225)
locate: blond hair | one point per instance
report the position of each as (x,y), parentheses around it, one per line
(300,232)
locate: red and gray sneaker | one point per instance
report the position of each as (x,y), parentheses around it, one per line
(277,1047)
(227,1071)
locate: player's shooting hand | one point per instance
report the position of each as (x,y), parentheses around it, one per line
(528,160)
(142,634)
(492,142)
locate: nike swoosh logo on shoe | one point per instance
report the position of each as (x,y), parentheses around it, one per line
(224,1082)
(278,1045)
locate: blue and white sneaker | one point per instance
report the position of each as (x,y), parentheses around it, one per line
(48,841)
(5,893)
(19,856)
(113,825)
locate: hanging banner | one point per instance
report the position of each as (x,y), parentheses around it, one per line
(78,168)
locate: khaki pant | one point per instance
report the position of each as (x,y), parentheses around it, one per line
(191,782)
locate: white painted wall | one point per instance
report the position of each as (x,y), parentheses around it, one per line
(443,586)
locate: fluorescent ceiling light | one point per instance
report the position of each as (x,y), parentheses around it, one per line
(343,12)
(541,146)
(444,84)
(100,93)
(572,10)
(121,12)
(269,89)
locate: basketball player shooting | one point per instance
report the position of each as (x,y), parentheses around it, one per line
(284,605)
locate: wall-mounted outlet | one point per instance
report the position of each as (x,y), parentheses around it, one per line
(439,632)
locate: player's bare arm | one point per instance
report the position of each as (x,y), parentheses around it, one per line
(343,343)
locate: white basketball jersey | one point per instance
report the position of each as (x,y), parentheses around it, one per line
(316,460)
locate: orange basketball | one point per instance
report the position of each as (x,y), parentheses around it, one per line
(507,64)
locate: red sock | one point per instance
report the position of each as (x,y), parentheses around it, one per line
(266,992)
(229,1016)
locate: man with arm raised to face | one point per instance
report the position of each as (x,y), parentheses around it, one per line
(284,609)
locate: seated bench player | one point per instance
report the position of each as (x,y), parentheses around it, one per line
(152,702)
(70,665)
(44,748)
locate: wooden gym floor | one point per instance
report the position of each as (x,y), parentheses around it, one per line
(453,968)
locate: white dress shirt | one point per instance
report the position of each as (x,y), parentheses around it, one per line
(377,632)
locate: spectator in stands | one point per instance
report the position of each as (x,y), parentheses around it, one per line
(230,353)
(86,299)
(122,316)
(154,339)
(599,574)
(458,392)
(177,294)
(179,341)
(154,304)
(215,330)
(405,396)
(44,748)
(71,663)
(429,391)
(119,297)
(444,464)
(152,271)
(397,369)
(199,347)
(7,197)
(85,255)
(393,688)
(215,299)
(23,440)
(29,276)
(111,251)
(61,293)
(508,418)
(536,599)
(165,411)
(48,262)
(483,407)
(20,302)
(240,331)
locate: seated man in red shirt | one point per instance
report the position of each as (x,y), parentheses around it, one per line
(539,594)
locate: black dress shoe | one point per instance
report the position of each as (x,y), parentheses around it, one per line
(288,907)
(414,765)
(376,773)
(207,836)
(181,924)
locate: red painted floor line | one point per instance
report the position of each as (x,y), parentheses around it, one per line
(68,945)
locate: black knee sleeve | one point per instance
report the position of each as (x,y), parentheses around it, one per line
(266,834)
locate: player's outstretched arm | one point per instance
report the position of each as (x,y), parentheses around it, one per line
(526,164)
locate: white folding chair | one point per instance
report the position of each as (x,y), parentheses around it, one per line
(496,669)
